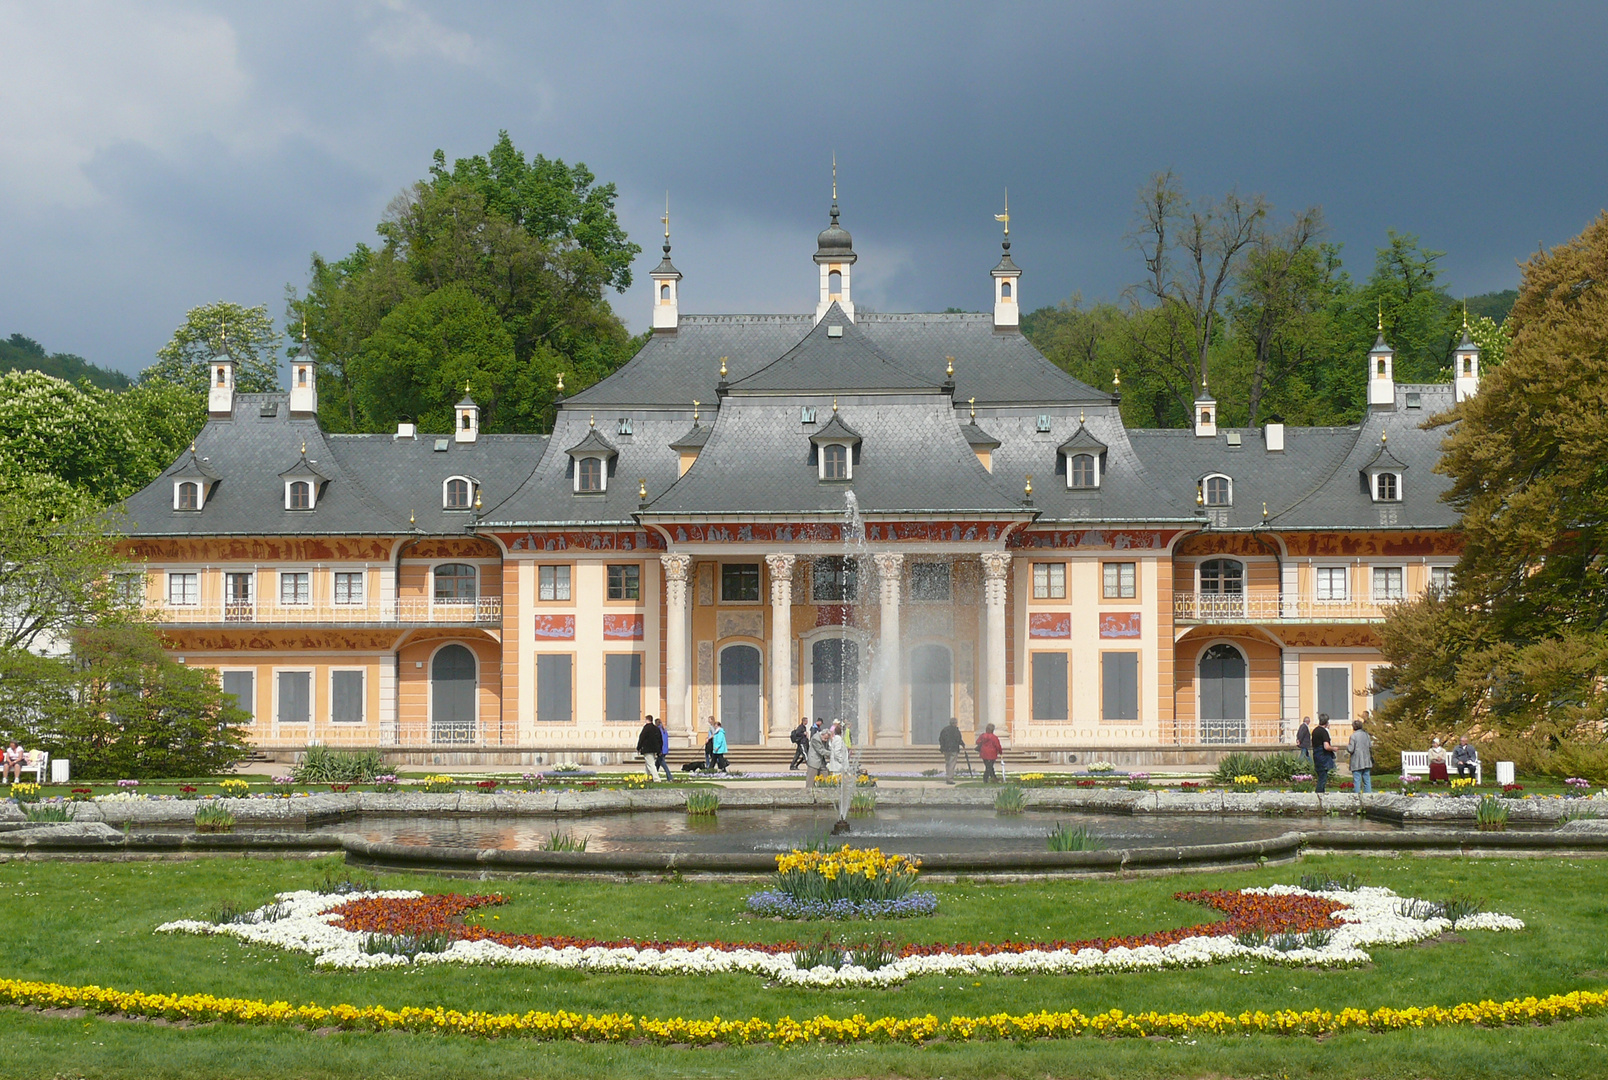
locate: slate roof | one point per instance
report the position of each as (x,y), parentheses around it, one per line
(835,429)
(912,458)
(594,443)
(822,361)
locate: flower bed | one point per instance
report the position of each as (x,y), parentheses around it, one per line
(1279,924)
(847,873)
(774,903)
(619,1027)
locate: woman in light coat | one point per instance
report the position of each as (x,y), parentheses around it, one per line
(816,748)
(1361,749)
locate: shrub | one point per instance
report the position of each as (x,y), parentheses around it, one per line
(1010,799)
(213,819)
(703,802)
(1491,814)
(321,765)
(1267,768)
(1074,838)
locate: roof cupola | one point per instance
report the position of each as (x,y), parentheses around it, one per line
(1465,365)
(466,426)
(220,385)
(1381,371)
(834,255)
(666,283)
(1007,275)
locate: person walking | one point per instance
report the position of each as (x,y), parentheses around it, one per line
(1322,752)
(1361,750)
(989,749)
(664,750)
(649,744)
(800,739)
(717,745)
(950,744)
(1303,737)
(816,749)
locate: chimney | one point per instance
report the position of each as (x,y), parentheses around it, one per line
(405,429)
(1274,437)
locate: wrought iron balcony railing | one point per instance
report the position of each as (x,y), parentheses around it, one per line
(417,610)
(1270,607)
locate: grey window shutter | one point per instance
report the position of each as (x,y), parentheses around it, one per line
(1334,693)
(1119,672)
(295,697)
(346,693)
(623,675)
(553,688)
(242,686)
(1049,686)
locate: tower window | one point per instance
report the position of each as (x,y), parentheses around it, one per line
(1381,369)
(189,495)
(1005,290)
(220,376)
(301,495)
(301,376)
(664,294)
(834,284)
(1081,471)
(589,474)
(1219,491)
(466,421)
(1468,366)
(834,462)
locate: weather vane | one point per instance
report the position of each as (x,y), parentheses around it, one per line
(1006,216)
(666,218)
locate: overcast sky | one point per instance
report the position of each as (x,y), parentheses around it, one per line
(158,156)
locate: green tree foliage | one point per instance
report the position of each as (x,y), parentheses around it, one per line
(19,353)
(491,274)
(246,335)
(1520,645)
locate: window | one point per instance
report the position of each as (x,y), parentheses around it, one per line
(929,582)
(625,582)
(184,589)
(1049,581)
(625,427)
(237,595)
(346,697)
(1119,686)
(1005,290)
(1222,577)
(1042,424)
(1387,583)
(553,583)
(295,588)
(1332,583)
(739,582)
(1049,686)
(835,580)
(589,474)
(834,284)
(295,697)
(1081,472)
(834,462)
(664,294)
(1334,697)
(1219,491)
(1441,580)
(189,495)
(1119,581)
(348,587)
(128,588)
(242,686)
(622,679)
(454,582)
(300,495)
(458,493)
(553,688)
(1387,487)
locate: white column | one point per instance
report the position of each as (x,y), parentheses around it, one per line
(890,715)
(675,643)
(782,698)
(996,565)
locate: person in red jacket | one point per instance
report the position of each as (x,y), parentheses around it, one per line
(988,749)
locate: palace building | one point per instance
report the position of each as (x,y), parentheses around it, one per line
(893,519)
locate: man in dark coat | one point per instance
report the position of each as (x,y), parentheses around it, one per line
(950,743)
(650,744)
(800,738)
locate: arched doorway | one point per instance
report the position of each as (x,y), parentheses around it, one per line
(931,681)
(739,694)
(835,664)
(452,695)
(1222,695)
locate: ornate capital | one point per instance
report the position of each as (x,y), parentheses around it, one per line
(995,564)
(889,566)
(676,567)
(781,581)
(781,565)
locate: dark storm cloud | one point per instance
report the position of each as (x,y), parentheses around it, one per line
(1480,128)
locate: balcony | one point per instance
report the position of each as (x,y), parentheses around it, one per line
(406,611)
(1270,607)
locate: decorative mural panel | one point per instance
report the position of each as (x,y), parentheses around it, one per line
(1325,544)
(706,584)
(740,624)
(448,547)
(283,641)
(706,684)
(1329,637)
(833,614)
(582,541)
(270,549)
(555,628)
(1110,539)
(1119,624)
(1054,624)
(622,627)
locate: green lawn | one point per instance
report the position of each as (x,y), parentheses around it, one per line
(91,923)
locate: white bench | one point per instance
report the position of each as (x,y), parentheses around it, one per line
(38,763)
(1416,763)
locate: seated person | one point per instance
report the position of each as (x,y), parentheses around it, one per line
(15,758)
(1464,756)
(1437,763)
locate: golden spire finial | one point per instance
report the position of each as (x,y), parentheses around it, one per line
(949,368)
(1006,216)
(1465,314)
(723,367)
(1082,417)
(695,404)
(1264,511)
(642,487)
(834,178)
(304,326)
(834,403)
(1116,376)
(1027,489)
(973,403)
(478,505)
(304,448)
(411,519)
(1384,436)
(592,421)
(192,446)
(666,218)
(1381,316)
(560,382)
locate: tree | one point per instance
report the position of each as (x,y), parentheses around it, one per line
(20,353)
(532,245)
(107,456)
(1520,645)
(246,335)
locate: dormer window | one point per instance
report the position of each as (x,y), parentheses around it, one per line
(298,495)
(1083,471)
(1387,487)
(1218,490)
(187,496)
(835,462)
(458,493)
(590,475)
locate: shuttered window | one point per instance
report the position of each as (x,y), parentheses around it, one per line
(242,686)
(1119,678)
(295,697)
(346,697)
(553,682)
(1334,693)
(622,674)
(1049,686)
